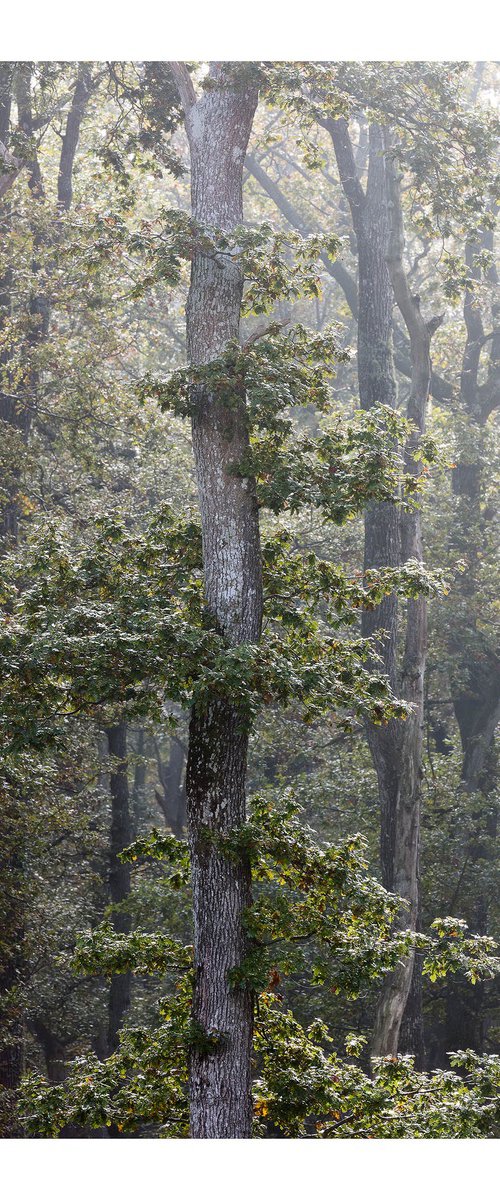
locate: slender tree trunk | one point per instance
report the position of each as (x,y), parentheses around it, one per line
(172,797)
(71,137)
(377,385)
(139,785)
(476,681)
(218,126)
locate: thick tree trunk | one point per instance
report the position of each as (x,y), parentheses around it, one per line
(218,126)
(119,872)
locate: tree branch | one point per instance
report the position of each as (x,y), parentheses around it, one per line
(342,145)
(184,85)
(291,214)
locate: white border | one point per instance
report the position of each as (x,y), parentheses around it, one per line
(250,29)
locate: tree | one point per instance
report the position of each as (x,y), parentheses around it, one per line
(218,125)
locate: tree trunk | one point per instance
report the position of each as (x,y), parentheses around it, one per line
(172,797)
(407,814)
(218,126)
(139,784)
(475,677)
(81,94)
(390,539)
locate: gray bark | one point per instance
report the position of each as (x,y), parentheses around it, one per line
(390,538)
(218,126)
(408,737)
(441,389)
(475,679)
(476,692)
(376,385)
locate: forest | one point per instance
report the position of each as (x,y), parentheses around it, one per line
(249,683)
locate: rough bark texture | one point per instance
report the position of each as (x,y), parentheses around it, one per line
(119,872)
(218,125)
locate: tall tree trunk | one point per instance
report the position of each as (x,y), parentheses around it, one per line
(390,538)
(406,817)
(218,125)
(476,684)
(475,677)
(119,872)
(377,385)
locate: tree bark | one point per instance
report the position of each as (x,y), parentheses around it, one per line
(475,677)
(390,539)
(218,126)
(476,687)
(406,814)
